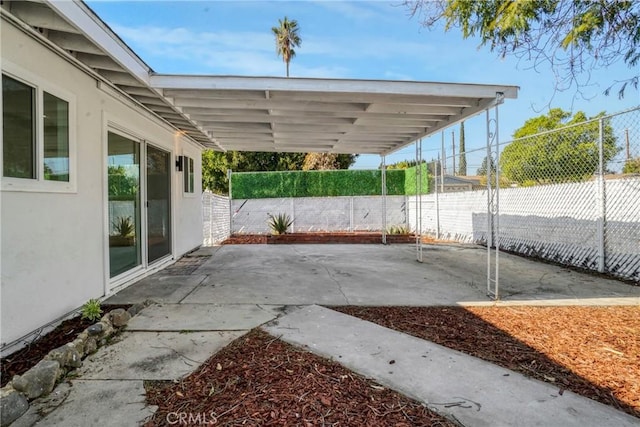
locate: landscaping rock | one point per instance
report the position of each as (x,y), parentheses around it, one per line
(40,408)
(66,355)
(136,308)
(90,346)
(95,329)
(38,380)
(119,317)
(78,344)
(12,405)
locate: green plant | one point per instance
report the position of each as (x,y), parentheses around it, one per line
(124,226)
(279,223)
(399,229)
(91,310)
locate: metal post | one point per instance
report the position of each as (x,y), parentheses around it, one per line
(443,168)
(489,163)
(437,195)
(419,199)
(293,215)
(351,214)
(384,200)
(601,199)
(497,204)
(453,153)
(230,203)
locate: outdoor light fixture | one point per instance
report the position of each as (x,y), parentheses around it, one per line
(179,163)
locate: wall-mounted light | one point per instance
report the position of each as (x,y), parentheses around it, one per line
(180,163)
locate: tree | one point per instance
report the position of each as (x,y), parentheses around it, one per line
(632,166)
(482,170)
(571,36)
(287,38)
(569,154)
(462,171)
(215,165)
(327,161)
(406,164)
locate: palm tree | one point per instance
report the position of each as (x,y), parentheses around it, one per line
(287,38)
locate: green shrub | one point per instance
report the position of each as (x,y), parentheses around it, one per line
(280,223)
(91,310)
(258,185)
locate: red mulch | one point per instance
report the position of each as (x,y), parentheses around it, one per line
(592,351)
(359,237)
(22,360)
(259,380)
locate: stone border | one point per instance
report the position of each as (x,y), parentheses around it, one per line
(41,379)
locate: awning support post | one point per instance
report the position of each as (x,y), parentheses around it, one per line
(493,202)
(384,199)
(419,200)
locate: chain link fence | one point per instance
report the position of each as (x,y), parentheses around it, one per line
(571,195)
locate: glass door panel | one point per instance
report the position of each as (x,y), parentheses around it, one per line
(123,168)
(158,203)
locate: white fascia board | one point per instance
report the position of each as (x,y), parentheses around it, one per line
(168,81)
(97,31)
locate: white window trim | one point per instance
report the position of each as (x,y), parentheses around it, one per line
(185,167)
(40,184)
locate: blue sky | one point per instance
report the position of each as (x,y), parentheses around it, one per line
(357,39)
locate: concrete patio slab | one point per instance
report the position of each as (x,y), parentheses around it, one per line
(202,317)
(470,390)
(154,355)
(101,403)
(387,275)
(159,288)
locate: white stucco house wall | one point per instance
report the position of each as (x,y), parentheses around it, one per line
(81,156)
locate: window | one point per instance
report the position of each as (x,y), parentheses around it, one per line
(189,175)
(36,133)
(56,138)
(19,129)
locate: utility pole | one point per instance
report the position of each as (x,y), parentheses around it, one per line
(626,137)
(453,151)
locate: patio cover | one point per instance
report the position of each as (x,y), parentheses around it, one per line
(322,115)
(258,113)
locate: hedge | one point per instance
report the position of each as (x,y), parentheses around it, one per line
(259,185)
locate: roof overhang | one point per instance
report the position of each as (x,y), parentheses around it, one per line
(260,113)
(323,115)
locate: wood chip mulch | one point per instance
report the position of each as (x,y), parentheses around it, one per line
(592,351)
(259,380)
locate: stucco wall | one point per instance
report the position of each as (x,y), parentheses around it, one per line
(356,213)
(54,245)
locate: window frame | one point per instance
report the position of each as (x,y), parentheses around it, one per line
(188,176)
(39,183)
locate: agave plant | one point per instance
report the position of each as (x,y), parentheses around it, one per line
(124,226)
(280,223)
(398,229)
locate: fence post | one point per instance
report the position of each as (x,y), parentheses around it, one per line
(351,213)
(230,203)
(601,199)
(293,214)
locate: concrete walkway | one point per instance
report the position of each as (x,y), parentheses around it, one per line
(461,387)
(203,306)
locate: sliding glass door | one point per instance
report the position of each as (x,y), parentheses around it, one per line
(123,168)
(139,181)
(158,203)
